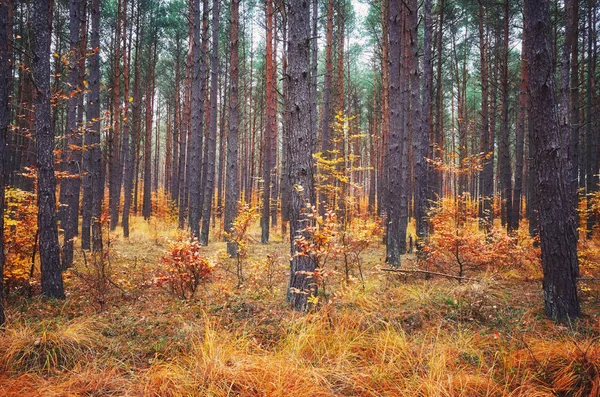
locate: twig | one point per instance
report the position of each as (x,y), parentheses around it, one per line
(431,273)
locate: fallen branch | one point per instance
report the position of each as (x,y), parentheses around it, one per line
(431,273)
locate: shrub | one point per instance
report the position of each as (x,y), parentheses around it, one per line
(459,243)
(20,235)
(185,269)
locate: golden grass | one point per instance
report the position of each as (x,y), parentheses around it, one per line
(394,336)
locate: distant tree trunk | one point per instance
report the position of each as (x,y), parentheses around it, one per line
(211,143)
(572,8)
(52,283)
(147,198)
(385,110)
(186,137)
(302,283)
(520,136)
(326,112)
(558,228)
(592,140)
(115,170)
(128,140)
(504,143)
(437,181)
(5,119)
(70,187)
(284,183)
(197,123)
(93,134)
(270,124)
(232,190)
(178,156)
(420,112)
(394,150)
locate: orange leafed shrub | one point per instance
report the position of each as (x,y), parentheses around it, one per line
(20,226)
(459,243)
(185,269)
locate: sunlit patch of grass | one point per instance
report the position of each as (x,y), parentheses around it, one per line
(54,347)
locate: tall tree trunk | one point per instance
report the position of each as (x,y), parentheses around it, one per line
(128,140)
(232,192)
(211,143)
(592,140)
(70,187)
(520,136)
(115,171)
(394,144)
(302,282)
(52,283)
(5,119)
(326,112)
(97,179)
(197,122)
(558,228)
(285,187)
(147,198)
(572,8)
(504,144)
(420,113)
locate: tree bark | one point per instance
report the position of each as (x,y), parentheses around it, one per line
(269,139)
(558,229)
(394,144)
(232,191)
(302,281)
(211,143)
(52,283)
(5,119)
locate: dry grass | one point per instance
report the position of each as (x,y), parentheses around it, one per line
(394,336)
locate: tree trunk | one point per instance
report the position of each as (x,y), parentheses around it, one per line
(147,198)
(394,144)
(269,140)
(520,136)
(70,187)
(504,144)
(52,283)
(209,163)
(302,282)
(5,119)
(128,141)
(115,171)
(558,229)
(232,192)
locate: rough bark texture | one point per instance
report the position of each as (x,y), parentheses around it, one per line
(232,190)
(269,141)
(558,229)
(520,137)
(115,170)
(394,149)
(196,125)
(70,187)
(93,133)
(5,116)
(128,141)
(302,282)
(420,119)
(52,283)
(211,143)
(504,142)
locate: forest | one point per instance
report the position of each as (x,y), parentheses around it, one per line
(299,198)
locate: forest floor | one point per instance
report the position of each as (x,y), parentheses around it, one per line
(394,335)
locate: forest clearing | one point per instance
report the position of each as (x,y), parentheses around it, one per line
(299,198)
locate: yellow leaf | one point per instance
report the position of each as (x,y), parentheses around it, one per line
(85,83)
(55,55)
(130,99)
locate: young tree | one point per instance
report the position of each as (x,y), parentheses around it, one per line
(558,228)
(52,283)
(232,192)
(300,173)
